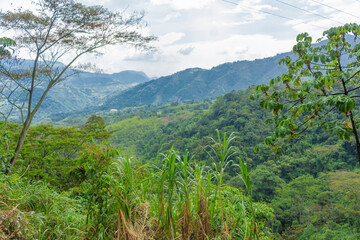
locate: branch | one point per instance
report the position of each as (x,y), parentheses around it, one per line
(352,76)
(312,117)
(353,89)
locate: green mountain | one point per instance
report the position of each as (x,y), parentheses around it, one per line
(79,91)
(86,92)
(199,84)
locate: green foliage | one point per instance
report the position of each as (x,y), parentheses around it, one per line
(326,207)
(311,187)
(6,44)
(129,133)
(54,32)
(265,181)
(117,198)
(95,127)
(39,212)
(321,79)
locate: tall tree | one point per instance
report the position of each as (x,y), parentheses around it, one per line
(60,30)
(6,47)
(320,88)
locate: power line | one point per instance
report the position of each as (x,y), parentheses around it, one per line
(339,10)
(273,14)
(259,10)
(304,10)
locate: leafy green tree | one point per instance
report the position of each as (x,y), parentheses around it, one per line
(6,44)
(95,127)
(57,31)
(319,88)
(294,200)
(265,180)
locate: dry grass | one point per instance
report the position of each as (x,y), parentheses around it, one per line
(202,225)
(12,225)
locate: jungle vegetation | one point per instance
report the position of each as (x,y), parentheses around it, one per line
(189,170)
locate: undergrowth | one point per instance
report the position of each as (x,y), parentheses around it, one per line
(179,199)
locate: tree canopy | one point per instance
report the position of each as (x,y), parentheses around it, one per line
(59,31)
(319,88)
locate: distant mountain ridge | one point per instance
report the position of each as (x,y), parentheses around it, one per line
(199,84)
(88,90)
(79,91)
(85,92)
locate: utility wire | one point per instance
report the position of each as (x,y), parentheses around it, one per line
(273,14)
(259,10)
(339,10)
(304,10)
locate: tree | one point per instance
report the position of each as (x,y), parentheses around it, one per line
(319,88)
(95,127)
(57,31)
(6,45)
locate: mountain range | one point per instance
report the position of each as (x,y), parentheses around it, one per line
(88,93)
(198,84)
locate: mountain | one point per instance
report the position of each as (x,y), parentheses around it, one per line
(87,90)
(79,91)
(199,84)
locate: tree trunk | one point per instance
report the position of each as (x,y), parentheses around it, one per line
(26,126)
(356,135)
(20,143)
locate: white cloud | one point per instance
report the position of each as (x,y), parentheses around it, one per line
(205,33)
(170,38)
(186,51)
(183,4)
(206,54)
(152,56)
(171,16)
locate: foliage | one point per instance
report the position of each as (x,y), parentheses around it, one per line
(311,189)
(319,88)
(95,127)
(34,211)
(120,199)
(56,31)
(53,154)
(129,193)
(6,44)
(316,152)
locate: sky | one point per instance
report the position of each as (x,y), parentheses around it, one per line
(206,33)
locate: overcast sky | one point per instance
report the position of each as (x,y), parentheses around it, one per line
(206,33)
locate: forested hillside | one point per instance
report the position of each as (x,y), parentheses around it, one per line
(80,91)
(247,150)
(311,187)
(301,185)
(199,84)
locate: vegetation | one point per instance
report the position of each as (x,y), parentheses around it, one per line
(308,166)
(55,31)
(193,175)
(322,81)
(112,196)
(306,195)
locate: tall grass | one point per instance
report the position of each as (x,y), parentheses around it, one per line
(37,211)
(183,199)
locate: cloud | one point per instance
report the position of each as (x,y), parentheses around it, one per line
(171,16)
(170,38)
(183,4)
(251,10)
(153,56)
(186,51)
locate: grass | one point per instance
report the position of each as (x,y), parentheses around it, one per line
(182,199)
